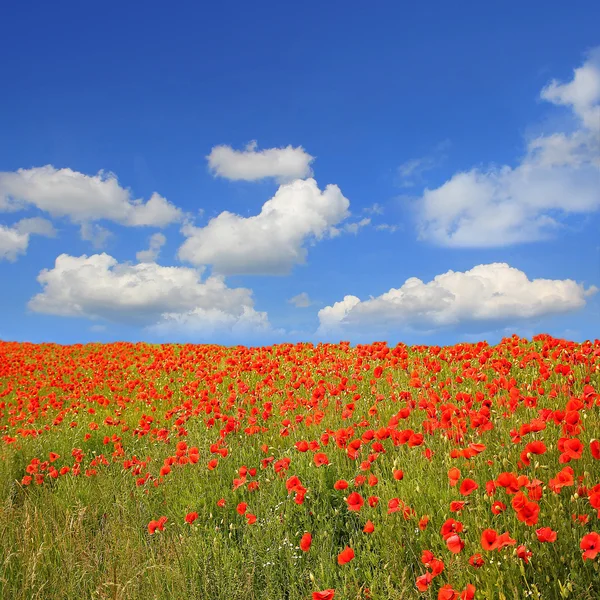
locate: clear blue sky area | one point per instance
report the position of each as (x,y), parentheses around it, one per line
(270,172)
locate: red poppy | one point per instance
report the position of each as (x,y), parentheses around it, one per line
(455,544)
(467,487)
(321,459)
(447,592)
(241,508)
(476,561)
(340,484)
(454,476)
(305,542)
(324,595)
(590,544)
(523,553)
(345,556)
(423,582)
(398,474)
(489,539)
(191,517)
(355,501)
(369,527)
(545,534)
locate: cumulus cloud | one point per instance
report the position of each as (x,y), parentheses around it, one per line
(558,176)
(250,164)
(272,242)
(492,293)
(301,300)
(157,241)
(162,298)
(15,240)
(82,198)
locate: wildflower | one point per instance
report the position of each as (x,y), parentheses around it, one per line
(305,542)
(345,556)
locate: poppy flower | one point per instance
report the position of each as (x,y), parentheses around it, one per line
(450,527)
(321,459)
(468,593)
(355,501)
(398,474)
(456,506)
(241,508)
(476,561)
(504,540)
(305,542)
(340,484)
(454,476)
(345,556)
(523,553)
(489,539)
(191,517)
(373,501)
(447,592)
(455,544)
(423,582)
(250,518)
(498,507)
(590,544)
(324,595)
(221,503)
(595,449)
(467,487)
(545,534)
(369,527)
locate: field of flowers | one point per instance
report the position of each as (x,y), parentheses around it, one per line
(300,472)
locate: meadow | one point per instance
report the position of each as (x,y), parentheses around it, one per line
(300,472)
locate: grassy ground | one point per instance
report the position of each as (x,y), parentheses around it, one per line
(99,441)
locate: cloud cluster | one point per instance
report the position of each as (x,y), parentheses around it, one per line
(283,164)
(559,175)
(82,198)
(99,287)
(492,293)
(15,240)
(272,242)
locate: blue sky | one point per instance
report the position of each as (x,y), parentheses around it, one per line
(164,173)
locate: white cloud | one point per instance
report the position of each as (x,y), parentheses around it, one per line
(301,300)
(387,227)
(163,298)
(82,198)
(36,226)
(582,93)
(15,240)
(354,227)
(492,293)
(157,241)
(284,164)
(273,241)
(559,175)
(96,234)
(12,243)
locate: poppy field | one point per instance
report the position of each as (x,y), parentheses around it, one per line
(300,472)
